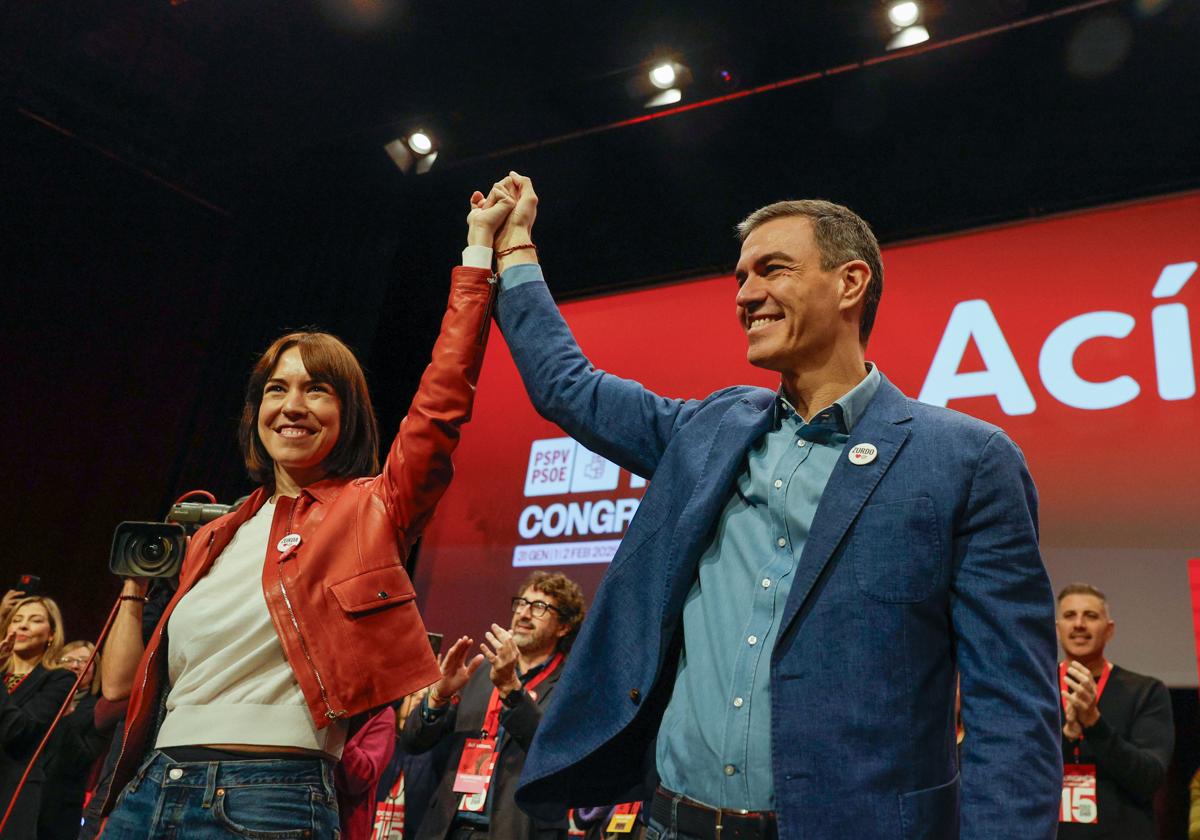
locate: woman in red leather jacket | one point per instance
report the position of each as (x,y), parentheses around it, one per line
(294,613)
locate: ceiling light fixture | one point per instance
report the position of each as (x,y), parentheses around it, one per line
(414,153)
(663,75)
(910,36)
(904,14)
(420,142)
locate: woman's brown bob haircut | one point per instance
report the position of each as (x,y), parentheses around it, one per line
(328,360)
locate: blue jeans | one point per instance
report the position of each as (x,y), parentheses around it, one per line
(266,799)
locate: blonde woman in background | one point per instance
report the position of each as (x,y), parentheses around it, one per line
(31,691)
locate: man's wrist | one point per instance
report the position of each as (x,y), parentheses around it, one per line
(436,700)
(1090,720)
(508,686)
(515,255)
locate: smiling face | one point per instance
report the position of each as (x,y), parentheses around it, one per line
(1084,627)
(536,636)
(790,308)
(33,631)
(299,421)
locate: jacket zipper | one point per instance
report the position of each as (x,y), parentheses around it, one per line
(493,292)
(329,710)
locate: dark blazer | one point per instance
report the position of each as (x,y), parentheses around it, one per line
(465,721)
(73,749)
(1131,746)
(25,716)
(919,564)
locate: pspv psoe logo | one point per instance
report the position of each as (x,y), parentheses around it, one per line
(562,467)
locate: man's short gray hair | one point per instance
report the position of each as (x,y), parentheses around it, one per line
(841,234)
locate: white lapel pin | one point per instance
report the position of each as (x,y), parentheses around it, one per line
(864,453)
(288,542)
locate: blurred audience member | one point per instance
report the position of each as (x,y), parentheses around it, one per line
(110,713)
(364,758)
(73,750)
(408,782)
(34,687)
(1118,732)
(504,701)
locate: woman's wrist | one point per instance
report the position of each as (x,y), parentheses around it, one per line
(480,235)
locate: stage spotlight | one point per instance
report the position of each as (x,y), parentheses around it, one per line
(420,142)
(663,75)
(908,37)
(414,153)
(667,97)
(904,14)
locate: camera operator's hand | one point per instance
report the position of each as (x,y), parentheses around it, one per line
(455,672)
(136,586)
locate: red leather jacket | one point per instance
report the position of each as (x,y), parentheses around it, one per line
(341,602)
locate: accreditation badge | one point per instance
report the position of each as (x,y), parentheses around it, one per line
(475,773)
(1079,794)
(624,818)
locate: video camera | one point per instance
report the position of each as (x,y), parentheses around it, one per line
(156,549)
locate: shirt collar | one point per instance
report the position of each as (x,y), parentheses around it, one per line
(845,411)
(535,670)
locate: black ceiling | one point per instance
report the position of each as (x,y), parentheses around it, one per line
(225,98)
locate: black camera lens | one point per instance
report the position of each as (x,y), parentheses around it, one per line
(153,551)
(147,549)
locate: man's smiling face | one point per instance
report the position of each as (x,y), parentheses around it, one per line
(786,303)
(1084,627)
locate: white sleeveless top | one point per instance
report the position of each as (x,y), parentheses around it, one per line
(230,682)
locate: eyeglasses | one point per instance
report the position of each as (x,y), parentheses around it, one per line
(537,609)
(68,661)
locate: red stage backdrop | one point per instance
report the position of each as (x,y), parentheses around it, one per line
(1076,334)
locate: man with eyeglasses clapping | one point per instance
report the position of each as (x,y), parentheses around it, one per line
(490,714)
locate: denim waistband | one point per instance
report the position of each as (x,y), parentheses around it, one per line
(163,771)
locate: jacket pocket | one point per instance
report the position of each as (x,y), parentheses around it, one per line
(930,814)
(896,551)
(374,590)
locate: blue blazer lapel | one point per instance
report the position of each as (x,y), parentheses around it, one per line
(849,487)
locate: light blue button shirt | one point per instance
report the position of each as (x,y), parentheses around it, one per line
(714,744)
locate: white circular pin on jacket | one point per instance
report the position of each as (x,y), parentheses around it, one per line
(863,453)
(288,542)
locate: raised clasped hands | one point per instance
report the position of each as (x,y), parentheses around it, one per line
(1080,711)
(502,656)
(488,213)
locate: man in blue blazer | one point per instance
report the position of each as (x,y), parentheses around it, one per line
(773,651)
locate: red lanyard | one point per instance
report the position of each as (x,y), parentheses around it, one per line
(1103,681)
(491,721)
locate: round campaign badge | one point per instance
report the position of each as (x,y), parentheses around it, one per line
(289,542)
(863,453)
